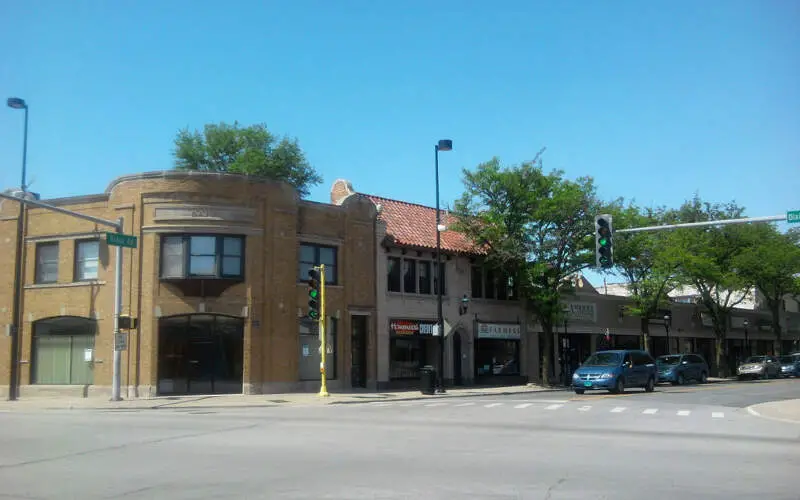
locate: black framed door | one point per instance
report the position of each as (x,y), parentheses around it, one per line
(358,351)
(457,376)
(200,354)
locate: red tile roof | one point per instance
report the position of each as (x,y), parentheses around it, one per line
(412,225)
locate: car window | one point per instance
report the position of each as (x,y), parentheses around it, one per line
(669,359)
(693,358)
(603,359)
(627,358)
(640,358)
(786,360)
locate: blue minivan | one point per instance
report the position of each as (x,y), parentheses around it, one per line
(615,370)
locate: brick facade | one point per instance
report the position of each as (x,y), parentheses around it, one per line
(270,298)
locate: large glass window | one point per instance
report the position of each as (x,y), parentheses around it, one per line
(417,276)
(490,283)
(407,356)
(310,357)
(496,357)
(87,260)
(47,262)
(393,277)
(313,255)
(63,351)
(202,256)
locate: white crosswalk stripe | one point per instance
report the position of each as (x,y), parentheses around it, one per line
(540,405)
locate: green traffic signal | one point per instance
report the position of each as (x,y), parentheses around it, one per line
(313,293)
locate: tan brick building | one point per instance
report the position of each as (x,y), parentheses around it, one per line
(216,284)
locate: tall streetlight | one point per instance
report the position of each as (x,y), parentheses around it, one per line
(13,379)
(442,145)
(667,321)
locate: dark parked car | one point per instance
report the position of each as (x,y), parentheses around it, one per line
(790,365)
(680,368)
(616,370)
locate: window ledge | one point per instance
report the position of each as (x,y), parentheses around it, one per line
(64,285)
(494,301)
(423,296)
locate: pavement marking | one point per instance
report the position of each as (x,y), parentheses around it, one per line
(435,404)
(618,409)
(492,405)
(523,405)
(584,408)
(683,413)
(717,414)
(553,407)
(382,403)
(464,404)
(650,411)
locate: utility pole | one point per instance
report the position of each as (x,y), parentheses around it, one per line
(120,241)
(323,347)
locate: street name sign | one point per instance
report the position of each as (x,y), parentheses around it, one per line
(793,216)
(121,240)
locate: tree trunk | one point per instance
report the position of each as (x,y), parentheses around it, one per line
(547,331)
(721,355)
(645,333)
(774,307)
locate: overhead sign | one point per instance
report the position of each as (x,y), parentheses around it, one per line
(121,240)
(793,216)
(411,327)
(507,331)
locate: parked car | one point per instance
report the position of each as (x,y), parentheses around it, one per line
(790,365)
(680,368)
(616,370)
(759,367)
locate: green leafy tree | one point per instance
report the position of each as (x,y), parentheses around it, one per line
(534,226)
(771,262)
(647,261)
(251,150)
(709,261)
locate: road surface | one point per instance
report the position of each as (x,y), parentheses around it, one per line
(693,442)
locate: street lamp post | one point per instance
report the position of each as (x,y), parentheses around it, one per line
(565,350)
(746,339)
(667,320)
(442,145)
(13,379)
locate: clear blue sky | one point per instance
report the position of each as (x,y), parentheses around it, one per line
(656,100)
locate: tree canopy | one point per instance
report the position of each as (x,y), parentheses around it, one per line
(251,150)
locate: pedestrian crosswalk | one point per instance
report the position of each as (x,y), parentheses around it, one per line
(552,406)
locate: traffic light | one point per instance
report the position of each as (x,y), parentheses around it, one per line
(314,295)
(604,244)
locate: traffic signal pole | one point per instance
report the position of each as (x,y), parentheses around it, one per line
(724,222)
(323,390)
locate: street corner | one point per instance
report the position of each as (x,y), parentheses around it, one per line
(787,411)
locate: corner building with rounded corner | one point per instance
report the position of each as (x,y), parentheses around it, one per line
(215,289)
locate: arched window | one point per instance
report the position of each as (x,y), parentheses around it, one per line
(63,351)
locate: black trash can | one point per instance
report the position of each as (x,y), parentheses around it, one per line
(427,379)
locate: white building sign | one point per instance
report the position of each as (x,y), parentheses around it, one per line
(498,331)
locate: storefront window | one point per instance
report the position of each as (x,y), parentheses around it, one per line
(406,357)
(496,357)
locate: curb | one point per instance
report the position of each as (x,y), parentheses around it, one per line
(446,396)
(751,410)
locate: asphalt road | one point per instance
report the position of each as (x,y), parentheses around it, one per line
(669,444)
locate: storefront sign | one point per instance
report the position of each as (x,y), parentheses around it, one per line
(582,311)
(411,327)
(498,331)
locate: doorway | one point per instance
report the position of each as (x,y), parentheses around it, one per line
(200,354)
(358,351)
(457,376)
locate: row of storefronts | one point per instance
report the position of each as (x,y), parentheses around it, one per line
(216,295)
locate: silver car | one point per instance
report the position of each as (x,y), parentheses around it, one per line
(759,367)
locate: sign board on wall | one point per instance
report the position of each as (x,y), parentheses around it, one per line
(507,331)
(411,327)
(582,311)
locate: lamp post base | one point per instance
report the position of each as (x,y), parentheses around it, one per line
(440,390)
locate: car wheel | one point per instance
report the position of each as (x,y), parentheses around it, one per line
(619,386)
(580,391)
(704,378)
(651,385)
(681,379)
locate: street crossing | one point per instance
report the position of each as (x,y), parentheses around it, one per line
(556,406)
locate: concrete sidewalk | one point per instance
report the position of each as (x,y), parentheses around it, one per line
(782,411)
(258,400)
